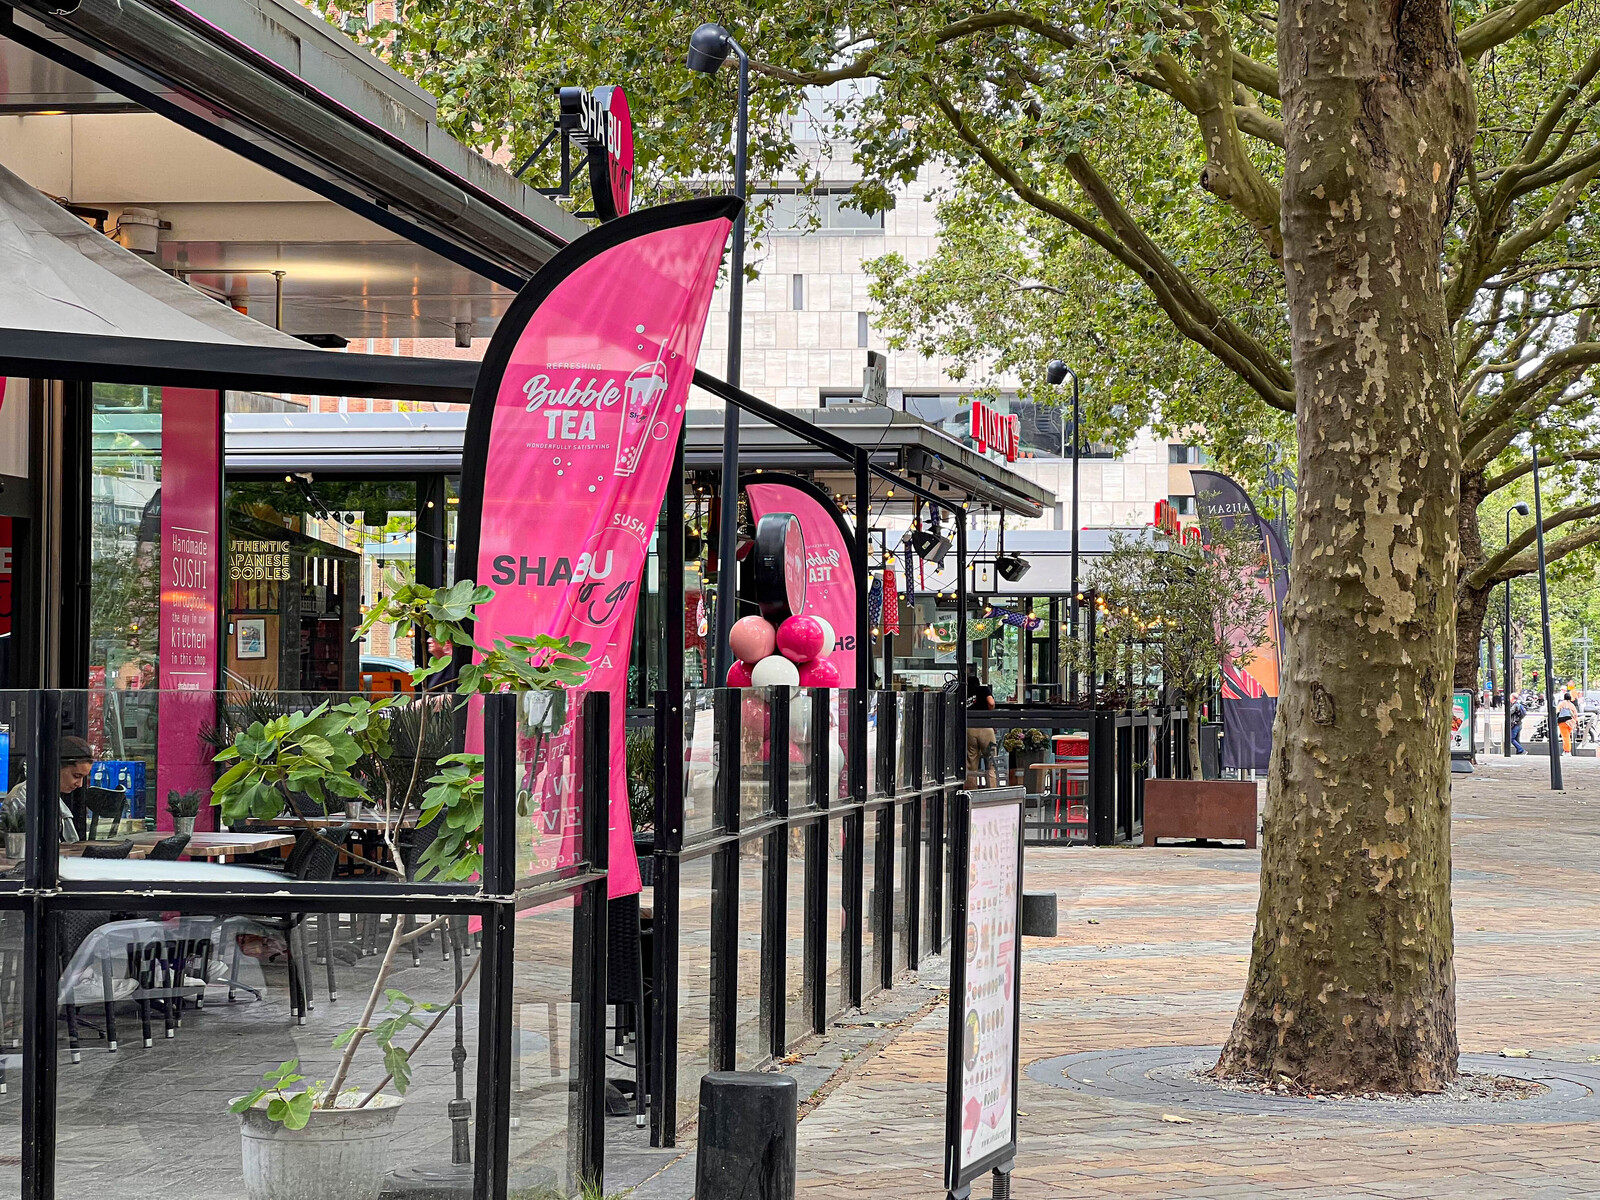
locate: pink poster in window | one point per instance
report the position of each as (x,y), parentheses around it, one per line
(830,573)
(191,534)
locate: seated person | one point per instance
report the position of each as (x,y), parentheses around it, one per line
(76,759)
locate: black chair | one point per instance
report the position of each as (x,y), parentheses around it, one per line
(103,803)
(75,929)
(315,865)
(625,992)
(169,849)
(107,849)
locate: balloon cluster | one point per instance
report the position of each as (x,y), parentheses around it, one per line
(792,654)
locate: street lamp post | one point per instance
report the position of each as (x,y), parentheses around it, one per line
(1550,734)
(709,47)
(1521,509)
(1056,372)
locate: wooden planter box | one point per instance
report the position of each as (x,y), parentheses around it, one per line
(1212,809)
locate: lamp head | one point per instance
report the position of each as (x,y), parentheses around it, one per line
(1520,508)
(1055,371)
(708,48)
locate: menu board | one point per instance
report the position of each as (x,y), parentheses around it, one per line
(981,1093)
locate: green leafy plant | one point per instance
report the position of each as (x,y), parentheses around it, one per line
(641,755)
(375,752)
(184,804)
(290,1108)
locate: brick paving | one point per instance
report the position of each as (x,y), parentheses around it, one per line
(1153,951)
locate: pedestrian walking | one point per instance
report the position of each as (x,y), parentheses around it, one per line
(1566,714)
(1519,710)
(981,747)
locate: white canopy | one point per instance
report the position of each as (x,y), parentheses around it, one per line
(58,274)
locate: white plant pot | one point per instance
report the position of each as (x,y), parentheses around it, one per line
(343,1153)
(183,825)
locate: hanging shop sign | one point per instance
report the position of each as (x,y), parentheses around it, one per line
(996,431)
(570,442)
(1249,691)
(191,543)
(252,559)
(830,582)
(1168,523)
(985,979)
(603,124)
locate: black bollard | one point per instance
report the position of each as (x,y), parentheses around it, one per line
(746,1148)
(1039,914)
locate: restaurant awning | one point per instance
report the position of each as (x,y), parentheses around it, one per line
(75,305)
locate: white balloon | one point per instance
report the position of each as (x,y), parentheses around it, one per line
(775,671)
(829,638)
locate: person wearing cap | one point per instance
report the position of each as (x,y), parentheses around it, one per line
(76,760)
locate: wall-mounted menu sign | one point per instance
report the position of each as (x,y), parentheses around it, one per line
(257,558)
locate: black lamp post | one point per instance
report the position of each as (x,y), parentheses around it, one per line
(709,46)
(1521,509)
(1551,736)
(1055,373)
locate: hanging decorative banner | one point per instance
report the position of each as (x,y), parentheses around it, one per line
(875,602)
(1249,692)
(570,443)
(830,583)
(891,601)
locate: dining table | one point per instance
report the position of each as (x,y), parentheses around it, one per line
(220,847)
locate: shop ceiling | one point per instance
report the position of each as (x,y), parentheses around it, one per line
(269,144)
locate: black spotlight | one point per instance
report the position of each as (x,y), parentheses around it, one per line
(693,543)
(708,48)
(1012,567)
(930,547)
(1055,371)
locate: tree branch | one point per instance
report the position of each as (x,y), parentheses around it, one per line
(1194,316)
(1504,24)
(1527,564)
(1509,476)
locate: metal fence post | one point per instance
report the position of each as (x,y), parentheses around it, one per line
(495,1021)
(725,887)
(593,925)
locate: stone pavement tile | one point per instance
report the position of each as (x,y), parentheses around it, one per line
(1153,949)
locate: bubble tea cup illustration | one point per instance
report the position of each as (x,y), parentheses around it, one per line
(641,398)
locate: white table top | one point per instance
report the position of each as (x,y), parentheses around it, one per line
(143,870)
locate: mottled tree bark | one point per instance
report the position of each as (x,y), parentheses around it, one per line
(1352,983)
(1471,603)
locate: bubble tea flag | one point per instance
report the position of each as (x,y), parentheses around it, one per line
(570,443)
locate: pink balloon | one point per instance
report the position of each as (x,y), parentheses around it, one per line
(752,639)
(739,674)
(801,639)
(820,674)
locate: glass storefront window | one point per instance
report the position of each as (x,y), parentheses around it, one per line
(306,559)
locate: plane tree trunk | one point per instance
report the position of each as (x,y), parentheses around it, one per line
(1352,982)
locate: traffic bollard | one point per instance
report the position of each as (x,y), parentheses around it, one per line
(747,1139)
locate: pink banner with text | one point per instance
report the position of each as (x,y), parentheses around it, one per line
(830,578)
(191,526)
(570,443)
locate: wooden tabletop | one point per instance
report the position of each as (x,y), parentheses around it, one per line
(1080,765)
(215,845)
(367,823)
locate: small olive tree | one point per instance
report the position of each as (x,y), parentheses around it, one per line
(1180,608)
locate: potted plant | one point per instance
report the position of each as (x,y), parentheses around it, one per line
(1184,610)
(14,821)
(304,1140)
(184,807)
(1024,748)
